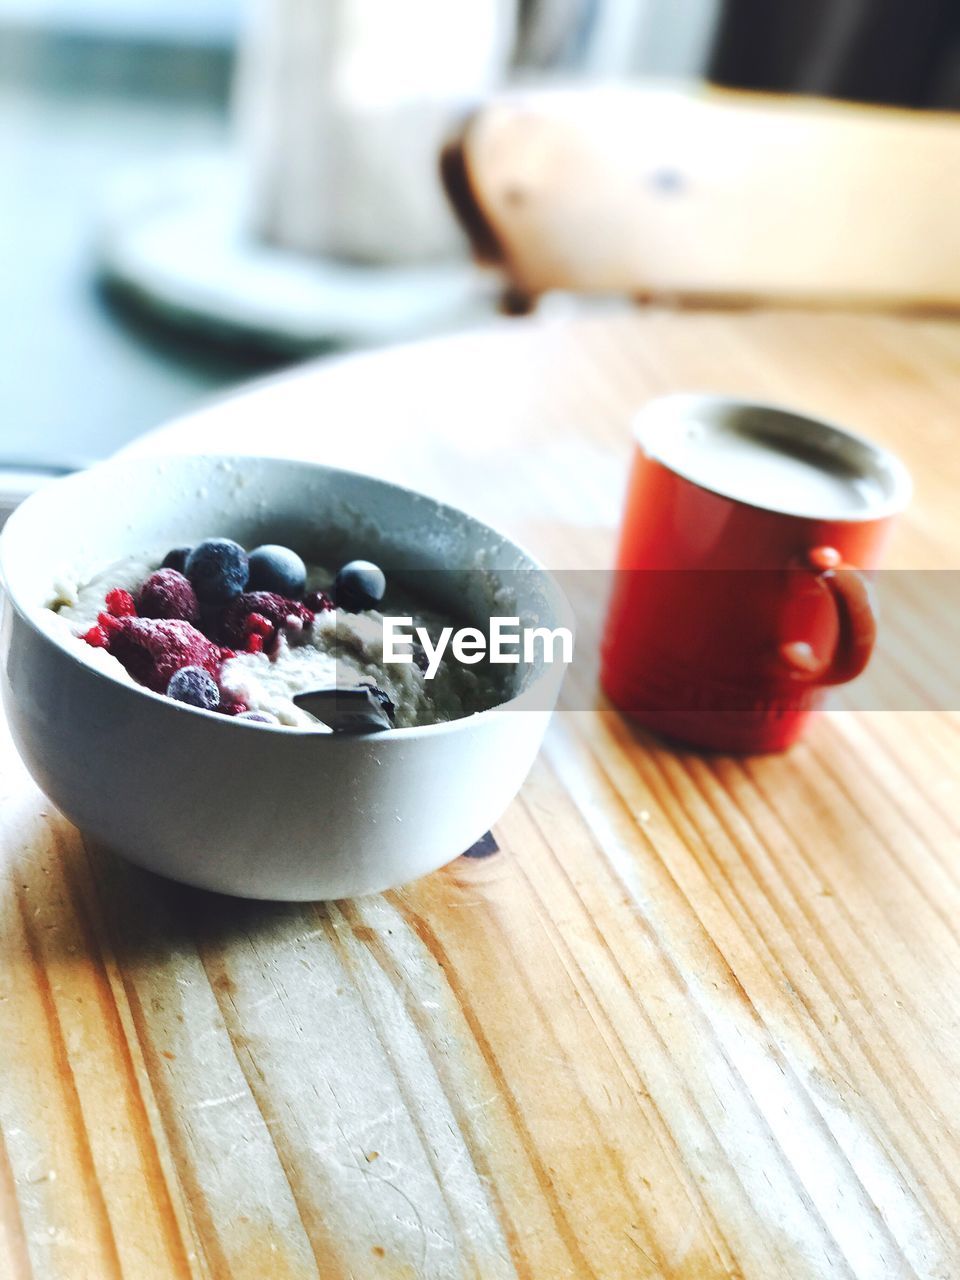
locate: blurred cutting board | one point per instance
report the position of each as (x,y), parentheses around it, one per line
(708,192)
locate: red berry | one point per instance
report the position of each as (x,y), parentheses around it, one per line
(257,624)
(120,603)
(95,637)
(254,643)
(168,594)
(267,606)
(108,622)
(232,706)
(319,601)
(152,649)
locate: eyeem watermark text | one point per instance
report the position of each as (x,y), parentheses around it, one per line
(507,642)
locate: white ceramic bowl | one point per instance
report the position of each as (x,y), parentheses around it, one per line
(252,810)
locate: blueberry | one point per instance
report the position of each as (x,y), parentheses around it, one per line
(176,559)
(278,569)
(218,569)
(359,585)
(258,717)
(195,687)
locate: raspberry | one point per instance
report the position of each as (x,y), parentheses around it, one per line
(232,706)
(266,605)
(120,603)
(258,632)
(319,601)
(96,637)
(257,625)
(168,594)
(152,649)
(108,623)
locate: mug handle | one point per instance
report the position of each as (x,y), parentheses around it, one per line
(856,624)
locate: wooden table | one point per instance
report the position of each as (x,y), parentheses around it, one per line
(698,1017)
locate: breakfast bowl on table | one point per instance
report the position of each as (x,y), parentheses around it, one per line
(256,791)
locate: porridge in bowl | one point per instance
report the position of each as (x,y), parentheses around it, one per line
(251,635)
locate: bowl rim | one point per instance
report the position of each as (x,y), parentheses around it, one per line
(132,461)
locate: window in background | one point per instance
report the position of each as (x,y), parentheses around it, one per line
(202,20)
(89,88)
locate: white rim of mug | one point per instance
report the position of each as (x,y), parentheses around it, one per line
(680,406)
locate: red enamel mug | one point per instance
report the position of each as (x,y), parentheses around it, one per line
(741,591)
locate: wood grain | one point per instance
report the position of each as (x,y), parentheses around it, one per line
(697,1017)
